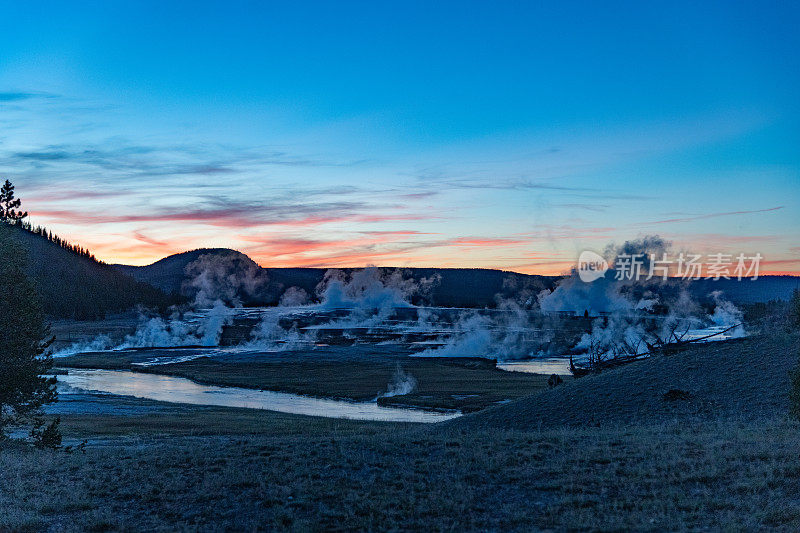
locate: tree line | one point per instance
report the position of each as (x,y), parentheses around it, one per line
(11,213)
(74,284)
(52,237)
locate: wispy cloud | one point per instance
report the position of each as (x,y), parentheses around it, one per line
(710,215)
(488,242)
(17,96)
(597,208)
(406,232)
(229,213)
(148,193)
(163,160)
(435,182)
(141,237)
(60,195)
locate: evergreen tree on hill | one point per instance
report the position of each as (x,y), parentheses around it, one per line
(24,339)
(9,205)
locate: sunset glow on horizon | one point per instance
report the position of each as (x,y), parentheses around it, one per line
(510,137)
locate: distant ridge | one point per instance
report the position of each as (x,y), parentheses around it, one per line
(168,274)
(74,285)
(457,287)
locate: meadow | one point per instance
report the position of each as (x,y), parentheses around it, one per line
(519,466)
(266,472)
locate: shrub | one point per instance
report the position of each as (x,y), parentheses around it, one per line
(47,436)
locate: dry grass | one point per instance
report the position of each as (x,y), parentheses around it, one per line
(707,475)
(653,464)
(198,421)
(740,378)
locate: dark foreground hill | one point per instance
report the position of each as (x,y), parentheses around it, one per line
(75,286)
(455,287)
(743,378)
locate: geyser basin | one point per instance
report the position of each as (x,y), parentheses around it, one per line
(181,390)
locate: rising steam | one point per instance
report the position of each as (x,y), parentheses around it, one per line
(402,383)
(606,316)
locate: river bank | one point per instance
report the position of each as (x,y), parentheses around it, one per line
(462,384)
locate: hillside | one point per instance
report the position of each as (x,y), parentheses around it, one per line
(457,287)
(743,378)
(764,289)
(76,286)
(168,274)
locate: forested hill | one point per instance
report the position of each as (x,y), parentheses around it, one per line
(74,285)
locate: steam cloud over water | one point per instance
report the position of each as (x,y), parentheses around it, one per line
(610,317)
(371,295)
(631,317)
(218,283)
(402,383)
(227,278)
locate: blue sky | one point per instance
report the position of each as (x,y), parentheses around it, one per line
(506,135)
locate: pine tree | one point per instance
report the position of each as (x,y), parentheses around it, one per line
(24,339)
(9,205)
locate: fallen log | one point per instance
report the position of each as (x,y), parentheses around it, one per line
(595,367)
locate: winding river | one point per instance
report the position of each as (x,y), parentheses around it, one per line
(182,390)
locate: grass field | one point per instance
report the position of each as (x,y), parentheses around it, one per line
(299,473)
(610,452)
(738,378)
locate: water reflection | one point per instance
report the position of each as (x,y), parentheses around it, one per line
(181,390)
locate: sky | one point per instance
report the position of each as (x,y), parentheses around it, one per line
(508,135)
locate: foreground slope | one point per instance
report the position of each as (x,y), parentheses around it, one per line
(75,286)
(303,474)
(746,378)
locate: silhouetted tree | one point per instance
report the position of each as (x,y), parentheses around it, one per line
(9,205)
(24,339)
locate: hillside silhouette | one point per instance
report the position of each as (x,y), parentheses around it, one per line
(72,284)
(454,287)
